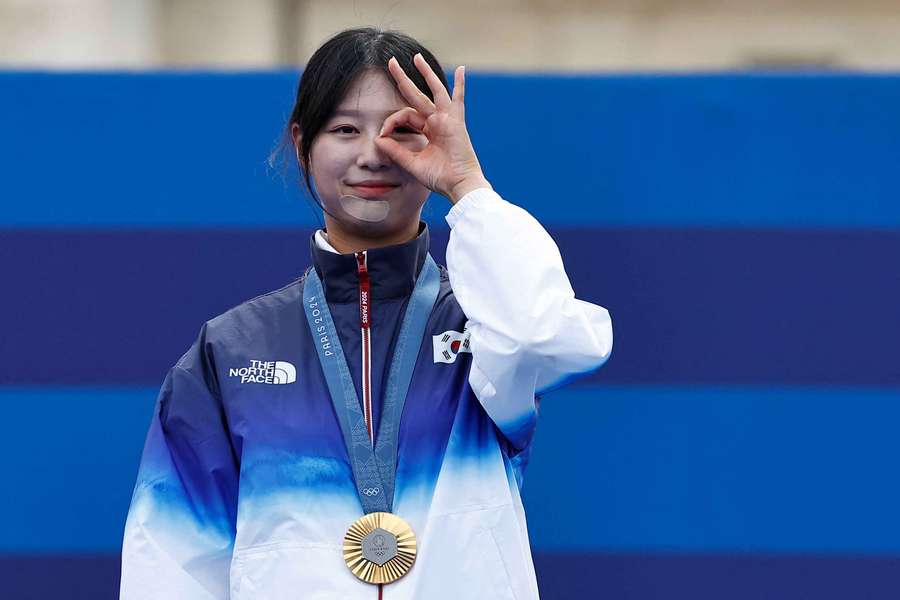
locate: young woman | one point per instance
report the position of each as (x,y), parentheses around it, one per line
(361,433)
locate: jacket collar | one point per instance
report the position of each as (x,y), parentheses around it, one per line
(392,269)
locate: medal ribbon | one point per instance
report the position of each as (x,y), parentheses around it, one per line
(374,469)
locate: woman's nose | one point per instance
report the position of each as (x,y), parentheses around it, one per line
(370,155)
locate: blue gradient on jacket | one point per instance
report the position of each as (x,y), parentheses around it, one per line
(169,489)
(270,470)
(432,403)
(518,463)
(568,378)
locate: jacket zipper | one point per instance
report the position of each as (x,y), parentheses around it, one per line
(365,321)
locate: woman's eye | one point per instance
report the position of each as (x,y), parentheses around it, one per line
(350,129)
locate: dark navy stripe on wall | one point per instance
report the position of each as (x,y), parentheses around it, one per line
(715,577)
(170,150)
(688,306)
(560,577)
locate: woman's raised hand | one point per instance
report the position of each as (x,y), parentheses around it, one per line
(447,165)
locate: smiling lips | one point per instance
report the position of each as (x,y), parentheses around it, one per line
(371,188)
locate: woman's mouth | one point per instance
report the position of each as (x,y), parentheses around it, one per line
(372,190)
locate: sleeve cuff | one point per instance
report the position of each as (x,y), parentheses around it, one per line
(476,197)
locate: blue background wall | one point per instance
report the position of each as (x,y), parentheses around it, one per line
(742,229)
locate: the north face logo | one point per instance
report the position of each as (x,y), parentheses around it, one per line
(266,371)
(449,344)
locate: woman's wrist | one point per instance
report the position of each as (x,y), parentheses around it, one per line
(467,185)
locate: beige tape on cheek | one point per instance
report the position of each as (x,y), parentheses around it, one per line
(371,211)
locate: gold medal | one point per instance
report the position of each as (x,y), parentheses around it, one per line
(380,547)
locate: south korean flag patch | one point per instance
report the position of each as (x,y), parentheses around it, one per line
(449,344)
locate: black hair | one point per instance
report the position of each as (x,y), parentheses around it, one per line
(333,68)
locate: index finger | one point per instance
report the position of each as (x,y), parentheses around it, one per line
(441,97)
(416,98)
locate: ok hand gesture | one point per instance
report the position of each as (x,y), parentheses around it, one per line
(447,165)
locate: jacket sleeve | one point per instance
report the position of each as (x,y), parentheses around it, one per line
(179,532)
(528,334)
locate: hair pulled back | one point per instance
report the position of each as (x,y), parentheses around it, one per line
(333,68)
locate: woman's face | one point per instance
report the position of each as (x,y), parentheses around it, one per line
(343,155)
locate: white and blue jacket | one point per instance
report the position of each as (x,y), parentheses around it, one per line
(245,488)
